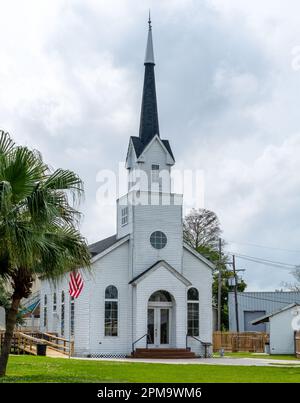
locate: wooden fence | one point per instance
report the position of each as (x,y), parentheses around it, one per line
(297,344)
(244,341)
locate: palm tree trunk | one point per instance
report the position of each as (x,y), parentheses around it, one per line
(10,325)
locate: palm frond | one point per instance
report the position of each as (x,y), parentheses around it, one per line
(38,234)
(23,170)
(6,143)
(63,250)
(66,180)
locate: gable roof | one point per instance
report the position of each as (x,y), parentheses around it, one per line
(139,146)
(199,256)
(100,246)
(155,266)
(266,318)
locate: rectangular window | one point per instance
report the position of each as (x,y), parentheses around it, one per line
(62,320)
(72,324)
(124,216)
(193,318)
(45,319)
(54,302)
(155,173)
(111,318)
(45,316)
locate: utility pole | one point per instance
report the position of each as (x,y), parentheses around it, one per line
(235,294)
(219,286)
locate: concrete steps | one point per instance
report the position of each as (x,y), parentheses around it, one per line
(163,353)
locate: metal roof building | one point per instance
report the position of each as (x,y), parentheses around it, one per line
(253,305)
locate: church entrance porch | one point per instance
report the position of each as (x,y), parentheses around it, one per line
(159,324)
(161,330)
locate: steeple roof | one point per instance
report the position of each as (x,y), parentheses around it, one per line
(149,116)
(149,56)
(149,126)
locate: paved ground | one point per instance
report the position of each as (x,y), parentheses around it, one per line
(208,361)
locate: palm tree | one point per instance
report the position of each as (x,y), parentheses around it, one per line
(38,226)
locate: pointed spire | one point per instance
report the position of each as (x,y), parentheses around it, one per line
(149,117)
(149,57)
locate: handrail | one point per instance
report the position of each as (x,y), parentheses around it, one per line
(26,342)
(56,346)
(136,341)
(51,341)
(204,343)
(27,337)
(55,337)
(54,342)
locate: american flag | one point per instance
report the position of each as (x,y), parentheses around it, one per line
(75,284)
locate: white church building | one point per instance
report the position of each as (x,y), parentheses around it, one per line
(146,288)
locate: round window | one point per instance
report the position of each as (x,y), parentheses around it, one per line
(158,240)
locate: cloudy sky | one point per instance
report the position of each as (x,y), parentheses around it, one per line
(228,84)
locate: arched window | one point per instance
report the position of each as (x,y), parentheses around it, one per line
(45,310)
(160,296)
(193,312)
(111,311)
(54,302)
(62,316)
(111,292)
(193,294)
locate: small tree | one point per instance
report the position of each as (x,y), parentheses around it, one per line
(294,286)
(202,231)
(297,277)
(201,228)
(38,226)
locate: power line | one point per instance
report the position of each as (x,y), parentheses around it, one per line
(266,262)
(264,247)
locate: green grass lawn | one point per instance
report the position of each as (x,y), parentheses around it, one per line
(257,355)
(43,369)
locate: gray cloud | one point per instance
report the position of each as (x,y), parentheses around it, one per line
(71,81)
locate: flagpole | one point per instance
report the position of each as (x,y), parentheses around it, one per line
(75,288)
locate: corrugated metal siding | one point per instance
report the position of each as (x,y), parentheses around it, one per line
(249,316)
(258,301)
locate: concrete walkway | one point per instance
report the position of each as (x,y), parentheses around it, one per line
(265,362)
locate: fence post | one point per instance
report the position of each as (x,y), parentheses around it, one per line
(297,344)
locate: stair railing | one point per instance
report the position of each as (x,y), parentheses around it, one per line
(203,343)
(137,340)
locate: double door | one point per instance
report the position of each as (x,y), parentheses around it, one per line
(159,326)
